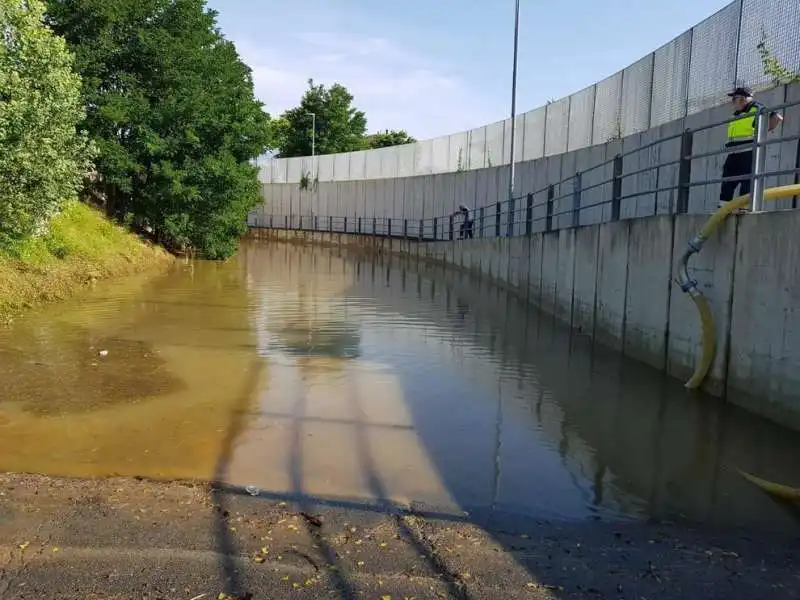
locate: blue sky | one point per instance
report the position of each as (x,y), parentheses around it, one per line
(439,66)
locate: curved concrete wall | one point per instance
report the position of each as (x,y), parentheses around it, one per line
(684,77)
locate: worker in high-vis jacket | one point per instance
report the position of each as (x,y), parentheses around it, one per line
(740,133)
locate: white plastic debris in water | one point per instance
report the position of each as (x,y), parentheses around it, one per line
(103,353)
(252,490)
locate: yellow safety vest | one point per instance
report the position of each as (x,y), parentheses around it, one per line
(742,128)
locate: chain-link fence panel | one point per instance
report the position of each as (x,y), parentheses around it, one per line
(294,169)
(556,127)
(458,150)
(279,170)
(423,157)
(671,80)
(405,160)
(324,167)
(606,124)
(358,165)
(533,136)
(769,42)
(494,144)
(712,67)
(637,95)
(477,148)
(581,117)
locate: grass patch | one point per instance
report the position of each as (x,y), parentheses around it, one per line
(81,247)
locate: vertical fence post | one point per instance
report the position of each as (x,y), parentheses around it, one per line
(272,221)
(529,215)
(616,188)
(435,228)
(512,216)
(551,193)
(451,225)
(421,232)
(576,199)
(285,221)
(497,210)
(684,172)
(300,223)
(481,218)
(389,227)
(330,223)
(405,228)
(345,224)
(759,162)
(316,222)
(374,225)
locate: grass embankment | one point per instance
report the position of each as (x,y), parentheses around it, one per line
(81,247)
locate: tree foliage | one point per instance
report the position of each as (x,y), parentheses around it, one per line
(385,139)
(42,157)
(171,108)
(340,127)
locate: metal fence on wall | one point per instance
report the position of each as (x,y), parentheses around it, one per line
(690,74)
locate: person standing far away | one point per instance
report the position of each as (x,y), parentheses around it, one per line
(740,134)
(466,224)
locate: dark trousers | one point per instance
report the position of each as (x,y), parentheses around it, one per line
(466,229)
(736,164)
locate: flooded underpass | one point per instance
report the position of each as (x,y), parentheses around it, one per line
(298,372)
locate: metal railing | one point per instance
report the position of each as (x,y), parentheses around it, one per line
(523,214)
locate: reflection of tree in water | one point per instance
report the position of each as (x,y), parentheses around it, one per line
(59,370)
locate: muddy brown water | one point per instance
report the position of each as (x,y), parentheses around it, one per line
(302,371)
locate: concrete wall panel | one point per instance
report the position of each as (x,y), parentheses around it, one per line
(405,160)
(279,170)
(585,278)
(764,369)
(294,169)
(648,289)
(325,167)
(494,144)
(423,158)
(389,161)
(612,283)
(549,277)
(519,141)
(358,165)
(341,166)
(440,154)
(566,275)
(458,154)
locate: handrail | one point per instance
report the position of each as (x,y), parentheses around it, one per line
(504,214)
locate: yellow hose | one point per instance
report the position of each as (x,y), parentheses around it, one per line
(709,342)
(784,492)
(708,334)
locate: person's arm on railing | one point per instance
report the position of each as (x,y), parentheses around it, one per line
(775,119)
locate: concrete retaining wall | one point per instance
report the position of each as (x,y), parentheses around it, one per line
(613,282)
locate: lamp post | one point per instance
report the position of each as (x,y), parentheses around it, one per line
(513,105)
(313,149)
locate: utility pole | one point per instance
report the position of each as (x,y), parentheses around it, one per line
(513,104)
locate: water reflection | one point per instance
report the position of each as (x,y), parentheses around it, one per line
(361,379)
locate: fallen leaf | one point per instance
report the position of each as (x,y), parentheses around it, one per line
(360,563)
(258,558)
(24,545)
(386,598)
(384,544)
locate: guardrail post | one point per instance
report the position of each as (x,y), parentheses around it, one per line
(451,224)
(389,227)
(300,223)
(421,232)
(316,222)
(374,225)
(481,217)
(759,162)
(272,221)
(684,172)
(616,188)
(577,184)
(497,220)
(512,216)
(529,215)
(435,228)
(345,224)
(405,228)
(551,193)
(286,221)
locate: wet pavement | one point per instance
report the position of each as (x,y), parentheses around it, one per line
(306,374)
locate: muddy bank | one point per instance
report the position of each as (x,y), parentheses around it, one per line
(125,539)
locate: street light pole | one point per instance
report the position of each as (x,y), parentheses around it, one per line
(314,168)
(513,105)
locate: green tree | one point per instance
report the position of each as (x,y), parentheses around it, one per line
(385,139)
(339,126)
(42,157)
(172,110)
